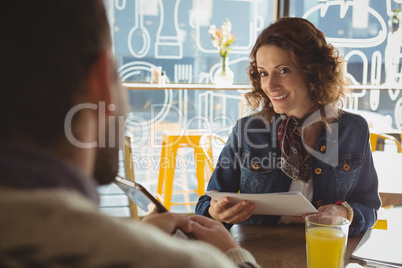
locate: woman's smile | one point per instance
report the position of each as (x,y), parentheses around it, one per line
(280,98)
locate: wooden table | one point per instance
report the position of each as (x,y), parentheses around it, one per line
(388,166)
(390,199)
(280,245)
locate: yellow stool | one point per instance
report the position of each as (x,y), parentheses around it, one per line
(381,224)
(170,145)
(382,220)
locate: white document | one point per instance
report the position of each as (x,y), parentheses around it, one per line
(286,203)
(381,247)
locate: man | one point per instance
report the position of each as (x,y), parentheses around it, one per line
(60,90)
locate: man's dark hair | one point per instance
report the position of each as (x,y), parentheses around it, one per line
(48,48)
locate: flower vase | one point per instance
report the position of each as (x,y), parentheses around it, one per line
(395,25)
(224,76)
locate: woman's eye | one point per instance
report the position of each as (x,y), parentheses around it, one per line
(284,70)
(263,74)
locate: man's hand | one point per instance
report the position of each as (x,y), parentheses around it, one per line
(203,228)
(235,214)
(212,232)
(169,222)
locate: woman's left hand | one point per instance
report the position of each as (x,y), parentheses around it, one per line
(331,209)
(335,210)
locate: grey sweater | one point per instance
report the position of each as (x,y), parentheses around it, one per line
(59,228)
(49,217)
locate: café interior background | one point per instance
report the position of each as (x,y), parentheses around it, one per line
(173,34)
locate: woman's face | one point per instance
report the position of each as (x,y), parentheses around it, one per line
(283,82)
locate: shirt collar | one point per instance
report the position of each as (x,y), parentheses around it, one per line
(30,169)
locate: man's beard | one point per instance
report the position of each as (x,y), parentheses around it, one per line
(107,157)
(106,164)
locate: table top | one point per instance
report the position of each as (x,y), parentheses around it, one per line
(280,245)
(388,165)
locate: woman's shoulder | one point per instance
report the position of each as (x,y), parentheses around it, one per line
(350,118)
(350,123)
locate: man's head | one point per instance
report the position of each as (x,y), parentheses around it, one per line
(48,49)
(56,54)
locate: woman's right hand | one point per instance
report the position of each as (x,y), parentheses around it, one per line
(234,214)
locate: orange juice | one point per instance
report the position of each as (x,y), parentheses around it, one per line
(325,247)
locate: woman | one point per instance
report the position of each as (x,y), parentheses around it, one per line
(298,140)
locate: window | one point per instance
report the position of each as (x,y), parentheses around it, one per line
(173,34)
(368,35)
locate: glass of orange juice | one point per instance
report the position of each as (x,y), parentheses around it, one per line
(326,237)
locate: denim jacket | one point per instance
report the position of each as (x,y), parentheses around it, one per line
(341,165)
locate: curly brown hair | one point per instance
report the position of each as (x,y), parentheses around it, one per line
(309,50)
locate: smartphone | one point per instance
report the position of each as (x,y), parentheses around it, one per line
(136,192)
(145,200)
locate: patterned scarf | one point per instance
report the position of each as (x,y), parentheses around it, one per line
(295,160)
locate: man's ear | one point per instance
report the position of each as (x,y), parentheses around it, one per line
(99,84)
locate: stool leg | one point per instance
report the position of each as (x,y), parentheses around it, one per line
(200,165)
(172,155)
(163,166)
(373,142)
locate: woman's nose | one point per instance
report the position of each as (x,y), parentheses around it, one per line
(269,84)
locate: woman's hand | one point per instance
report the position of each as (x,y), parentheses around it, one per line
(331,209)
(212,232)
(235,214)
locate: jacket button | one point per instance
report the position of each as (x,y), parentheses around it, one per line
(319,203)
(322,148)
(318,171)
(255,166)
(346,167)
